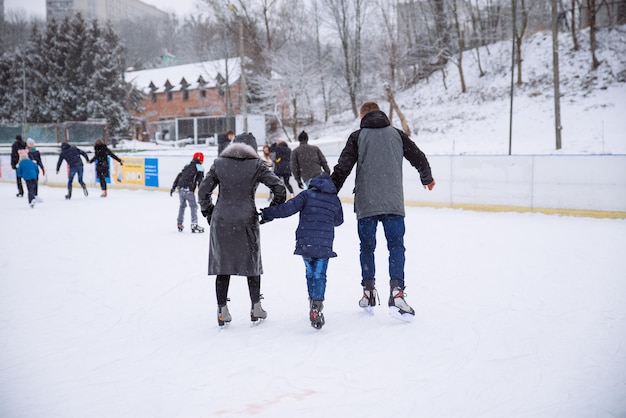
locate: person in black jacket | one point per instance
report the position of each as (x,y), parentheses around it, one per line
(102,153)
(282,162)
(307,161)
(186,181)
(224,140)
(72,155)
(35,155)
(15,159)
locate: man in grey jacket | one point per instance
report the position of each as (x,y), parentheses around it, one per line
(378,150)
(307,161)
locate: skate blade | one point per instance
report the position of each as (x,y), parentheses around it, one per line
(395,313)
(369,310)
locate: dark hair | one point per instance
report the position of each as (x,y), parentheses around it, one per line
(303,137)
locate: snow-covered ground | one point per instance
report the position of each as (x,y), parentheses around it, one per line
(106,311)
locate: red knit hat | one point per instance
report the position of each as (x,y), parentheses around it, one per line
(199,156)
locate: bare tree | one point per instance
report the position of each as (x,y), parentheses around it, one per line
(347,17)
(460,41)
(520,30)
(592,10)
(574,6)
(320,61)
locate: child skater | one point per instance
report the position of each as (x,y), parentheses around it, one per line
(28,170)
(320,212)
(35,156)
(186,182)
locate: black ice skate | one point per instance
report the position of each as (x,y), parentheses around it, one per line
(180,227)
(196,228)
(315,314)
(85,191)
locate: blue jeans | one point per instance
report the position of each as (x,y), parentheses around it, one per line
(316,276)
(394,233)
(73,171)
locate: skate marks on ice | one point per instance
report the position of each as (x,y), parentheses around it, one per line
(266,405)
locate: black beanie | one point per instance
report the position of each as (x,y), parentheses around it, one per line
(18,137)
(303,137)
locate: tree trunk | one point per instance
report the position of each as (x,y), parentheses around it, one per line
(394,105)
(574,37)
(591,8)
(555,67)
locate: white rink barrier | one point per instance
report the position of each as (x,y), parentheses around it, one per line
(593,185)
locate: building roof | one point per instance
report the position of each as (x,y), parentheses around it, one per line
(206,74)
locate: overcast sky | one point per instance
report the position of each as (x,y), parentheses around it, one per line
(38,7)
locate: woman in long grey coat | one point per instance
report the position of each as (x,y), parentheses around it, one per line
(235,242)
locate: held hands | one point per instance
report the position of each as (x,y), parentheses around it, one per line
(262,218)
(430,186)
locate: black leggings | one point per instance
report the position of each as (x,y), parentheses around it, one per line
(286,181)
(223,281)
(103,181)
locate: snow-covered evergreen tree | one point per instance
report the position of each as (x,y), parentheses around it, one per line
(73,72)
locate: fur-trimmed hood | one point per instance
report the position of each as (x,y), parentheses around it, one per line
(240,151)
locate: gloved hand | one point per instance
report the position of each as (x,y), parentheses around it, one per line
(262,218)
(208,213)
(430,186)
(300,185)
(43,171)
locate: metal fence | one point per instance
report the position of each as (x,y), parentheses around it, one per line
(56,133)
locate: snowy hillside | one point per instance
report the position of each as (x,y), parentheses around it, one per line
(593,103)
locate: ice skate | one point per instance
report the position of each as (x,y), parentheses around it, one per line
(315,314)
(223,315)
(370,295)
(196,228)
(180,227)
(32,204)
(68,196)
(85,192)
(104,194)
(257,312)
(398,308)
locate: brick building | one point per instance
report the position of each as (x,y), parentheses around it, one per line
(195,100)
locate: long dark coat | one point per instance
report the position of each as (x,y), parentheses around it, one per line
(235,242)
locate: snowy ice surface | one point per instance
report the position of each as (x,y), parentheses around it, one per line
(107,311)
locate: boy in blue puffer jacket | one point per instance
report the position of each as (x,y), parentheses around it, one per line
(28,170)
(320,212)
